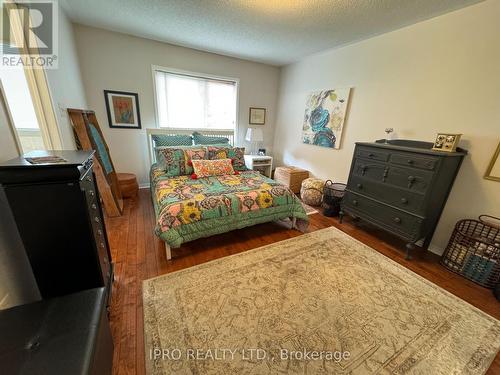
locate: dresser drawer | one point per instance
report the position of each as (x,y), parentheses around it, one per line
(370,153)
(414,161)
(394,220)
(401,198)
(412,179)
(409,178)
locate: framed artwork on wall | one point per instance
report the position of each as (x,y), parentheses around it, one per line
(122,109)
(324,117)
(493,170)
(257,116)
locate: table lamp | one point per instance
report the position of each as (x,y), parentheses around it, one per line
(254,136)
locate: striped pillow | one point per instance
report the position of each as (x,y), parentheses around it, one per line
(172,140)
(200,139)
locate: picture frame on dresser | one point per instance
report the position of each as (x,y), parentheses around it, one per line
(447,142)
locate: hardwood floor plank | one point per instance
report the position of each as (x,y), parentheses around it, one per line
(138,255)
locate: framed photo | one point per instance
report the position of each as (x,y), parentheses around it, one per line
(257,116)
(446,142)
(123,109)
(493,170)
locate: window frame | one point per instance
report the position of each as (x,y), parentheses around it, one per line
(156,68)
(39,91)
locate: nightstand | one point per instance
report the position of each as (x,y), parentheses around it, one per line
(261,163)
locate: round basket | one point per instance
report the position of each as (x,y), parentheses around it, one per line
(332,196)
(474,250)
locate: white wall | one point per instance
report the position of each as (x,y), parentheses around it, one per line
(65,83)
(115,61)
(441,75)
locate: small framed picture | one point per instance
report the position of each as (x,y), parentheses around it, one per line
(446,142)
(123,109)
(257,116)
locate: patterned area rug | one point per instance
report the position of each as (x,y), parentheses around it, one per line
(318,303)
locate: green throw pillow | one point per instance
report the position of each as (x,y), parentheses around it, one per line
(172,140)
(175,161)
(200,139)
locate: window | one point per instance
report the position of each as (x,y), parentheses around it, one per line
(20,105)
(191,101)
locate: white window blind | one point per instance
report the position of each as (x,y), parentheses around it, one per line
(185,101)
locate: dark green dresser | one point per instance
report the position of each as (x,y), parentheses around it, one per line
(401,186)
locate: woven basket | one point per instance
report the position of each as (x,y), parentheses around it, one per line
(474,250)
(291,177)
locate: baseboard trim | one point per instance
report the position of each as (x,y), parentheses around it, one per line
(435,249)
(145,185)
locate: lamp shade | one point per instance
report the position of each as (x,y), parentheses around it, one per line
(254,135)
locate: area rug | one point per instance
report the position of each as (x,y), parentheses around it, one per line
(309,209)
(319,303)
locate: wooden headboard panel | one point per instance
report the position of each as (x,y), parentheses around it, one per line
(171,131)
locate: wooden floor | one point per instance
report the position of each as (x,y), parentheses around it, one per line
(138,255)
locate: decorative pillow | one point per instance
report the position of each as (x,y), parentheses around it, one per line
(207,168)
(200,139)
(237,154)
(172,140)
(177,161)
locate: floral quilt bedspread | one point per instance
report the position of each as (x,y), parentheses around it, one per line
(187,209)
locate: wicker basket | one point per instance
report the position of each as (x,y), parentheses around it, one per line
(291,177)
(332,196)
(474,250)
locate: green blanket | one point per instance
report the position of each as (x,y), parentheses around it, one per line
(188,209)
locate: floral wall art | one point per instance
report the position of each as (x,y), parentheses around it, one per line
(324,117)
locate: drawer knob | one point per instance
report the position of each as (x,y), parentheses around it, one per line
(99,232)
(404,200)
(360,186)
(94,206)
(371,155)
(355,202)
(102,245)
(410,161)
(397,220)
(91,193)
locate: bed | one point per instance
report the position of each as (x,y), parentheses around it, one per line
(187,209)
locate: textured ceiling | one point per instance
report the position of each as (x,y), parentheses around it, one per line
(272,31)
